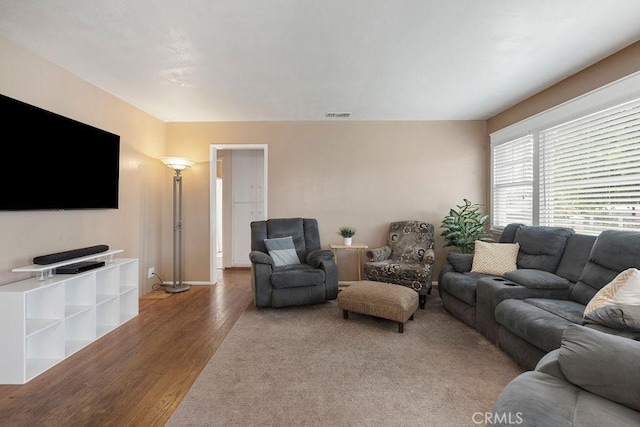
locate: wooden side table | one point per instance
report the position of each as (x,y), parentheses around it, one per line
(356,247)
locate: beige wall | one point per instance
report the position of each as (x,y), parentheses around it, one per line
(136,226)
(362,174)
(310,173)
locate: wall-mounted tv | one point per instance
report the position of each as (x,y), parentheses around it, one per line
(51,162)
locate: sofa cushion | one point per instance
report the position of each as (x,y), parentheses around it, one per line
(494,258)
(541,248)
(568,310)
(296,277)
(535,325)
(604,364)
(509,232)
(592,279)
(575,256)
(617,305)
(382,270)
(282,251)
(409,240)
(613,252)
(623,289)
(536,279)
(617,250)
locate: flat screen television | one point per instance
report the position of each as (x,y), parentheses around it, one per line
(51,162)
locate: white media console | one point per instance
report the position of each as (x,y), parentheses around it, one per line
(50,317)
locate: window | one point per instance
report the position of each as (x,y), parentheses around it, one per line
(590,171)
(512,165)
(570,170)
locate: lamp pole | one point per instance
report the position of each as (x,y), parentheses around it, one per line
(178,238)
(178,165)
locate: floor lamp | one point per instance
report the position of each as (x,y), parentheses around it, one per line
(178,164)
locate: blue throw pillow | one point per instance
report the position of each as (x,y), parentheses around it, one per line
(282,251)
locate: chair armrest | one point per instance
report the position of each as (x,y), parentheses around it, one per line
(429,257)
(315,258)
(379,254)
(257,257)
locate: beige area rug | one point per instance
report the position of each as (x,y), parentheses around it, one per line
(307,366)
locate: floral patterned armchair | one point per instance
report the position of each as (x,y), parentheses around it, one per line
(406,260)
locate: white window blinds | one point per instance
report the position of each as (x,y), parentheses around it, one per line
(512,182)
(590,171)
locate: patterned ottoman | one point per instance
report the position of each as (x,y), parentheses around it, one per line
(386,300)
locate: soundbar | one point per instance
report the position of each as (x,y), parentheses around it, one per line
(75,253)
(79,267)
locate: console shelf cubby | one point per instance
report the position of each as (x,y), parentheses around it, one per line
(48,320)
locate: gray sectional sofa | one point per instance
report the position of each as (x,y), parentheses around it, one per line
(540,254)
(526,311)
(579,372)
(591,380)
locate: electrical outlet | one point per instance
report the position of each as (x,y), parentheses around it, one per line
(151,271)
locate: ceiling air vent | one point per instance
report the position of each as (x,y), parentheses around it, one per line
(334,115)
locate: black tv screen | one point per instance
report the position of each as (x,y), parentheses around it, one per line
(52,162)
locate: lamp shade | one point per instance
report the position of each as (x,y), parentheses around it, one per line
(177,163)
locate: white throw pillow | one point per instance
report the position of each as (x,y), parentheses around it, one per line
(495,258)
(282,251)
(624,289)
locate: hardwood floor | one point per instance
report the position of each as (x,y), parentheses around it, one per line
(137,374)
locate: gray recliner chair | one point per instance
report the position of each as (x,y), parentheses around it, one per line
(312,278)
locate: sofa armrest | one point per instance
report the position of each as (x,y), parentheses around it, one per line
(446,268)
(606,365)
(549,365)
(379,254)
(257,257)
(537,279)
(315,258)
(460,262)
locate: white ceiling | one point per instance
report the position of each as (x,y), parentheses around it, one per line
(226,60)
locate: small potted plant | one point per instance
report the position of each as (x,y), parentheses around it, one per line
(347,233)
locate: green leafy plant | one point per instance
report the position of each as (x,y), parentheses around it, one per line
(464,226)
(347,231)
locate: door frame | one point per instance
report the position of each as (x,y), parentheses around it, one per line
(213,173)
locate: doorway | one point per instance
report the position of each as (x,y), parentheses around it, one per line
(221,213)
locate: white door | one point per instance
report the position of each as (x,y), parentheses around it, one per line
(248,201)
